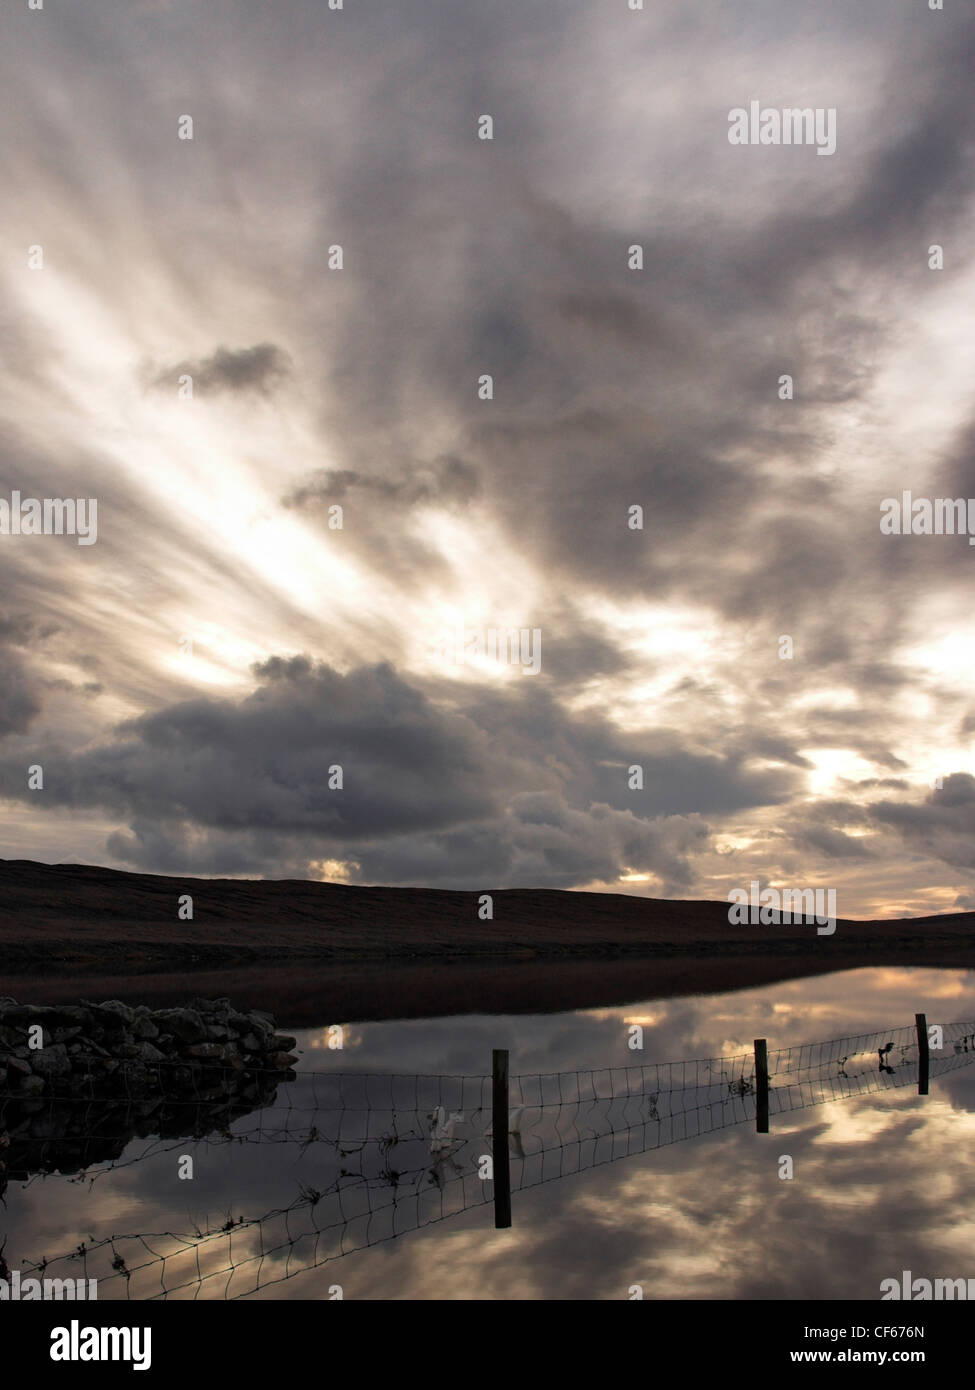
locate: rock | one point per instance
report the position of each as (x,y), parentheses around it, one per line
(281,1059)
(64,1035)
(208,1050)
(68,1014)
(52,1061)
(138,1060)
(124,1011)
(114,1016)
(212,1008)
(185,1024)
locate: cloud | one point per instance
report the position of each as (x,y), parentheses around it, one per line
(943,824)
(258,368)
(20,690)
(19,702)
(429,789)
(446,481)
(612,388)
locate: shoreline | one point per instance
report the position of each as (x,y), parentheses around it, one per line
(316,952)
(312,994)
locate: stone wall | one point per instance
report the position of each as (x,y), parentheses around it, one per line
(109,1073)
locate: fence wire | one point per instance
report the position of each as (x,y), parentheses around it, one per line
(381,1154)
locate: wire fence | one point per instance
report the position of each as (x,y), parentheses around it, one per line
(582,1119)
(378,1155)
(816,1073)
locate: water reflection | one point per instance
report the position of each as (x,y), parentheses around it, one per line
(340,1162)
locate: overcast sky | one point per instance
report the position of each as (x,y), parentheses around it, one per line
(314,646)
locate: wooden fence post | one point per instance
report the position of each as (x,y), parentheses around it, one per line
(923,1054)
(499,1126)
(761,1085)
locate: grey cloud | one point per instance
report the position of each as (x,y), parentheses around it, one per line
(575,651)
(832,843)
(429,791)
(942,825)
(894,784)
(448,481)
(21,687)
(19,698)
(258,368)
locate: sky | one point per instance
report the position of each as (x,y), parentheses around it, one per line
(189,682)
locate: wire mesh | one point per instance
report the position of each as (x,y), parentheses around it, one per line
(393,1153)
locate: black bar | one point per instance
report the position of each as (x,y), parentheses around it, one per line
(923,1054)
(761,1086)
(502,1167)
(233,1339)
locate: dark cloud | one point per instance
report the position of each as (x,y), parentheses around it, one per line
(430,791)
(447,481)
(19,700)
(894,784)
(834,844)
(258,368)
(942,825)
(21,687)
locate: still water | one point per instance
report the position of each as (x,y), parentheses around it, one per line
(366,1176)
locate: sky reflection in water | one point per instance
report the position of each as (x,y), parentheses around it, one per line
(883,1181)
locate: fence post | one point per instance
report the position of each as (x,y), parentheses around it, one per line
(499,1127)
(761,1086)
(923,1054)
